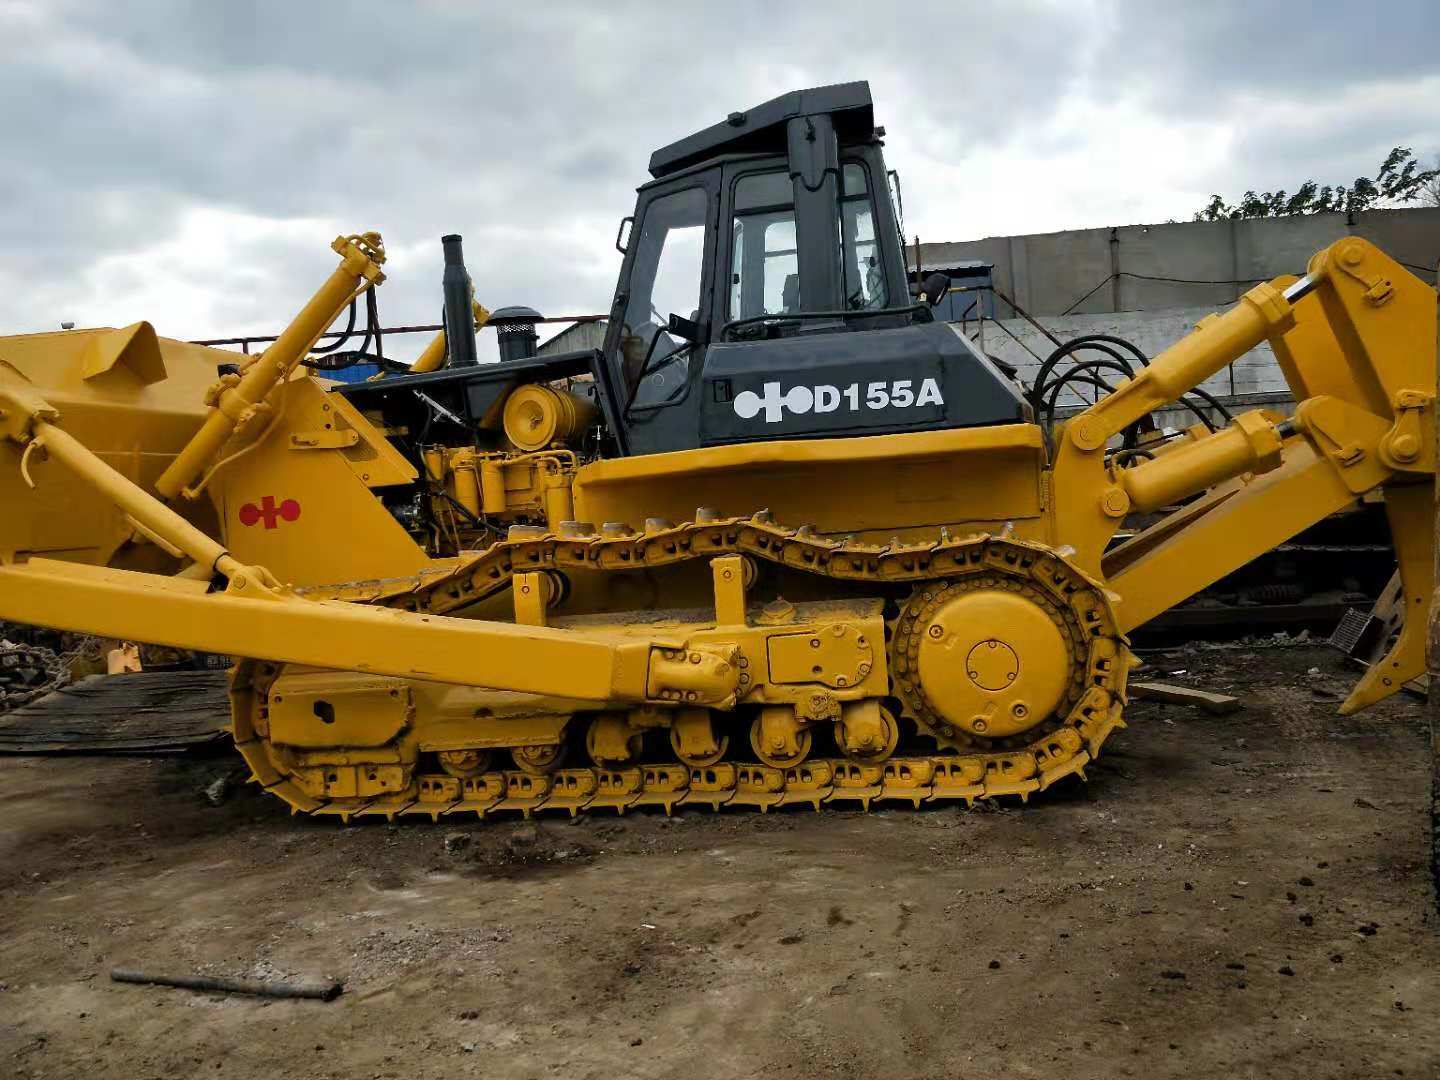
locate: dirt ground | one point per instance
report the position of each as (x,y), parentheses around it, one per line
(1243,896)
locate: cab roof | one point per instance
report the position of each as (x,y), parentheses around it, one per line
(762,129)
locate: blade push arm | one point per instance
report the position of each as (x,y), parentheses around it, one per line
(184,613)
(434,355)
(230,607)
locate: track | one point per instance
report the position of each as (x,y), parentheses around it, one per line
(979,768)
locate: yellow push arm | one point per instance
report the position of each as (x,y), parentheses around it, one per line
(253,616)
(183,613)
(237,401)
(434,356)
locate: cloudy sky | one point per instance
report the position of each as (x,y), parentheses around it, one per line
(189,163)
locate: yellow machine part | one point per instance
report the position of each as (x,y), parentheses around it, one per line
(807,673)
(537,416)
(133,398)
(878,487)
(292,505)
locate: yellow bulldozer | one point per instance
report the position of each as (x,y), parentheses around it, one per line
(785,538)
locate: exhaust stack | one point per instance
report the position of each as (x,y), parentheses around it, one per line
(459,320)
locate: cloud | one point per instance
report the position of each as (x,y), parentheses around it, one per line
(189,163)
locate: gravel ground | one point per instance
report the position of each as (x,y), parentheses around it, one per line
(1244,896)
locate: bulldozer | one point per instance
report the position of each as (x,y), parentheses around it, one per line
(784,539)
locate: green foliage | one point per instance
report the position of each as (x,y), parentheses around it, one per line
(1400,179)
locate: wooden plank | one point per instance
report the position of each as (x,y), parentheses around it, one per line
(1173,694)
(157,711)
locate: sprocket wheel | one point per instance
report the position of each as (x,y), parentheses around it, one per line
(989,661)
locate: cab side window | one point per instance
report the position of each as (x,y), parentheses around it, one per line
(764,267)
(859,249)
(764,270)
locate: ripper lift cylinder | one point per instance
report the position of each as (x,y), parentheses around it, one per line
(1250,444)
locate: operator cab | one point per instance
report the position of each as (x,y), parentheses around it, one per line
(763,292)
(762,296)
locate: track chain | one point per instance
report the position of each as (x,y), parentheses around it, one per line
(998,769)
(28,672)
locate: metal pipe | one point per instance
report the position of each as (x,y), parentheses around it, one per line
(426,328)
(1300,288)
(1026,316)
(328,990)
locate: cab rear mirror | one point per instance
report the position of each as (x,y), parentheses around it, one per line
(934,288)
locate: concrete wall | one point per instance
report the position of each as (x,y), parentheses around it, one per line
(577,336)
(1150,284)
(1207,263)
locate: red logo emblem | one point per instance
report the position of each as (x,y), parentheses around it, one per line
(269,513)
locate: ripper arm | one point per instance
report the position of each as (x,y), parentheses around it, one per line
(1356,340)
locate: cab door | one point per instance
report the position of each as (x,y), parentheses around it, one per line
(668,271)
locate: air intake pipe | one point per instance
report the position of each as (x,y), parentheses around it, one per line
(515,331)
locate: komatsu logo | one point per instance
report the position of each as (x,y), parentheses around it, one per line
(899,394)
